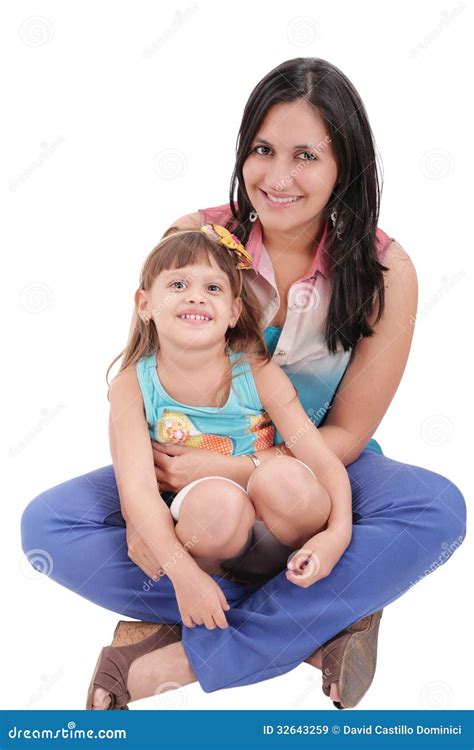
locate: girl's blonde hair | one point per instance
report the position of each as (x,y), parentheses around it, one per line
(187,247)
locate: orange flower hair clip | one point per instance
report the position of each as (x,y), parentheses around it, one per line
(231,242)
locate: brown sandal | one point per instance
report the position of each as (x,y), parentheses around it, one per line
(349,659)
(113,664)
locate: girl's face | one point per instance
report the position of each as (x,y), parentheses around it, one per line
(179,295)
(291,170)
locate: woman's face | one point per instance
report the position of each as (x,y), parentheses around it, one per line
(290,171)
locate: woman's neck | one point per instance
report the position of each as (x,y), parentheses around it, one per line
(297,244)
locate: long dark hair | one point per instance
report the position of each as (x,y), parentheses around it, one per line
(351,258)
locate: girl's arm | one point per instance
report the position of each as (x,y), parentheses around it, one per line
(302,437)
(154,544)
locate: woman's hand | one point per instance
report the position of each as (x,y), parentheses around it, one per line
(177,465)
(201,600)
(316,559)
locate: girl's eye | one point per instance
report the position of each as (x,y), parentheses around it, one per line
(216,286)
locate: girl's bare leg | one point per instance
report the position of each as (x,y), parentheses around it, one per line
(289,500)
(168,668)
(220,517)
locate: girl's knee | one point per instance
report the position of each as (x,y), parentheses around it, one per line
(216,509)
(283,479)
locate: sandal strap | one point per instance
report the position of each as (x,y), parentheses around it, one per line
(115,663)
(332,654)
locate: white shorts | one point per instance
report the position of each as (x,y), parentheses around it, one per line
(262,556)
(178,500)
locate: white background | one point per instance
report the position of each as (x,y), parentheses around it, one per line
(118,118)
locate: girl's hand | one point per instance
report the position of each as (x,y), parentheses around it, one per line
(177,465)
(316,559)
(201,601)
(139,550)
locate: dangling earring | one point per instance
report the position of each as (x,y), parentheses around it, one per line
(253,216)
(339,225)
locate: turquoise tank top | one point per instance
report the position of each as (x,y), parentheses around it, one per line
(239,427)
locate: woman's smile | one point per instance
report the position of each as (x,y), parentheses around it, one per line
(279,201)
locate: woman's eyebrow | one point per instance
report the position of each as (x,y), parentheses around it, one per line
(300,145)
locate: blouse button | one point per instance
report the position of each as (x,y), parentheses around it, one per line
(281,352)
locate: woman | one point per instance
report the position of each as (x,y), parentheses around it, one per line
(340,298)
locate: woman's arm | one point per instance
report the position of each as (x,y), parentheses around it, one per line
(376,368)
(302,437)
(153,543)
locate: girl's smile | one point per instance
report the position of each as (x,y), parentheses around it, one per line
(195,319)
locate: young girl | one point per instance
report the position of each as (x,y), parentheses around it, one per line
(199,324)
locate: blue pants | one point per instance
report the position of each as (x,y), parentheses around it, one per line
(407,521)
